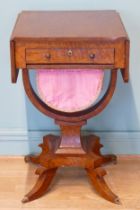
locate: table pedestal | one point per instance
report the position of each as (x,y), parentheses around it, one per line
(71,149)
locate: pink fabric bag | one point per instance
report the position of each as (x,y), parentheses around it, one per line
(69,90)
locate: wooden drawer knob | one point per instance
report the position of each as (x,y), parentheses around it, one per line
(48,55)
(92,55)
(69,53)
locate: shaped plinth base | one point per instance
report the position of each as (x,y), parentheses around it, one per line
(71,149)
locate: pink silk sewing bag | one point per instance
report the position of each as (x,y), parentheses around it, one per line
(69,90)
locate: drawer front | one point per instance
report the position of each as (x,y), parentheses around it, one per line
(70,55)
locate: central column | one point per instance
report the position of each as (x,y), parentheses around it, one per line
(70,137)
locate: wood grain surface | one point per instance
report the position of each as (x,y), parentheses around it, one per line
(69,24)
(45,38)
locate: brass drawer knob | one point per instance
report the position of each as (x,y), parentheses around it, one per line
(69,53)
(92,55)
(48,55)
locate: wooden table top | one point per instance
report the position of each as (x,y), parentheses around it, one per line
(69,24)
(36,32)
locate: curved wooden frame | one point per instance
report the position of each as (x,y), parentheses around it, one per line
(73,116)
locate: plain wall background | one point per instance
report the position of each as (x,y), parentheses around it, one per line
(16,112)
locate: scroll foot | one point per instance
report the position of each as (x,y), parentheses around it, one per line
(41,186)
(32,159)
(25,200)
(109,159)
(96,177)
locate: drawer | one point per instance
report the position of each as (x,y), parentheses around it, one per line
(70,55)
